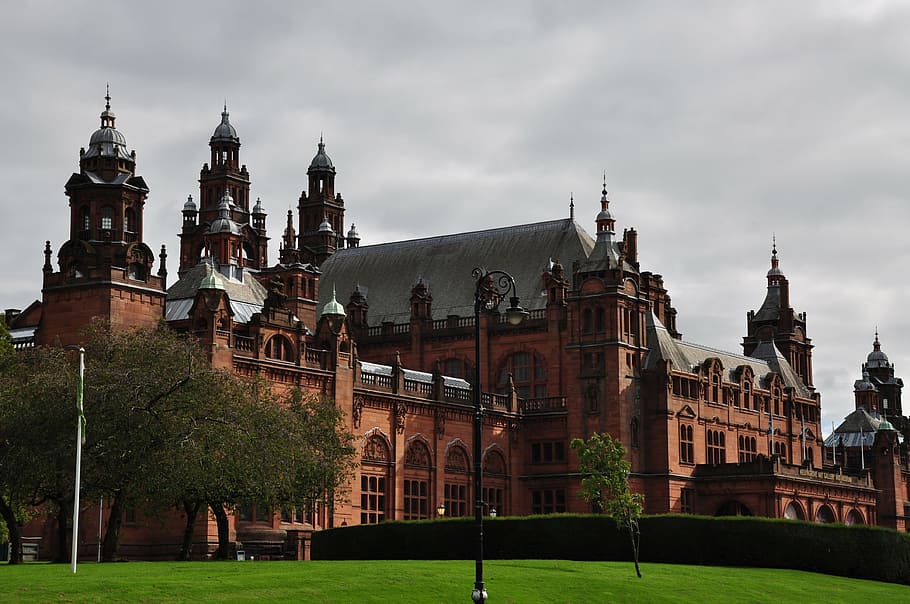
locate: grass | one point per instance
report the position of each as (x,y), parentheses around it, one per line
(431,582)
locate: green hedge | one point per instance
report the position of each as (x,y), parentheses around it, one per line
(852,551)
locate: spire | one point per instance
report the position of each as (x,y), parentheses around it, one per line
(605,221)
(775,275)
(107,116)
(571,206)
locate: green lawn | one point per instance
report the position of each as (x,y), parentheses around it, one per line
(516,581)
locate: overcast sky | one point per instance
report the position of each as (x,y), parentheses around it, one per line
(718,124)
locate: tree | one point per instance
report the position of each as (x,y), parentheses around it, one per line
(37,444)
(602,462)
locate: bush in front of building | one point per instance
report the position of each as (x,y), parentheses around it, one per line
(860,552)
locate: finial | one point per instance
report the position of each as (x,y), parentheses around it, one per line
(773,244)
(604,192)
(107,97)
(571,205)
(876,343)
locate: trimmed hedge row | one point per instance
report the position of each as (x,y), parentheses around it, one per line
(860,552)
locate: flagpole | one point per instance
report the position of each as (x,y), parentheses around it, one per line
(80,432)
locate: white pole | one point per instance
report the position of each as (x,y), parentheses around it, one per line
(79,433)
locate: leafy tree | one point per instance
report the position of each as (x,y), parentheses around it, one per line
(602,462)
(37,440)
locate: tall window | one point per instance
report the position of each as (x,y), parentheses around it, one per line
(687,501)
(529,373)
(456,499)
(130,220)
(495,481)
(716,447)
(372,499)
(374,480)
(747,449)
(458,474)
(780,449)
(107,217)
(416,499)
(587,321)
(86,219)
(417,481)
(686,444)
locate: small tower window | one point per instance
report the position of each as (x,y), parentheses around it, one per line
(107,217)
(86,219)
(130,218)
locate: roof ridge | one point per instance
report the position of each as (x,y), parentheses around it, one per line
(458,237)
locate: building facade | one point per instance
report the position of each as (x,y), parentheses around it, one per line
(388,331)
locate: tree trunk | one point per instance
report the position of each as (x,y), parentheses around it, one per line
(15,534)
(192,510)
(111,546)
(224,531)
(62,553)
(635,534)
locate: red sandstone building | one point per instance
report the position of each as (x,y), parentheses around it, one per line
(387,330)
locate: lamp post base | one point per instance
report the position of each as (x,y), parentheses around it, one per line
(479,596)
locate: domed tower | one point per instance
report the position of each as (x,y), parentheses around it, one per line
(776,321)
(321,210)
(225,173)
(105,268)
(879,391)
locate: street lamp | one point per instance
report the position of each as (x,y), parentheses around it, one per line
(441,510)
(491,289)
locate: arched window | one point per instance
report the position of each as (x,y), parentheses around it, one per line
(495,483)
(529,373)
(686,444)
(747,449)
(780,449)
(716,447)
(457,494)
(280,348)
(793,512)
(417,463)
(824,515)
(854,517)
(599,322)
(374,480)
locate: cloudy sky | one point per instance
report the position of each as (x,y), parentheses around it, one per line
(718,124)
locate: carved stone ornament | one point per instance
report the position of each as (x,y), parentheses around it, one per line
(400,411)
(357,411)
(440,417)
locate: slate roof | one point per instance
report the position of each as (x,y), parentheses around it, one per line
(686,356)
(387,272)
(247,296)
(857,428)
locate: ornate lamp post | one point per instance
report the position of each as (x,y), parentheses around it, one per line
(491,289)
